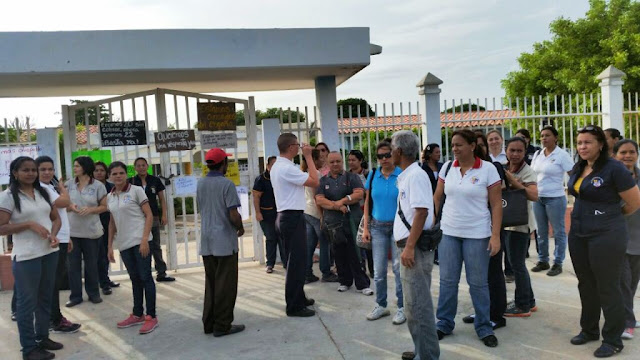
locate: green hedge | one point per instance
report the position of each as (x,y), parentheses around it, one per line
(177,205)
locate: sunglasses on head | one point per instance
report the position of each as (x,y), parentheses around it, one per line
(384,156)
(587,128)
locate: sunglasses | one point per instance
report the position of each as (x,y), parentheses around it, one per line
(587,129)
(384,156)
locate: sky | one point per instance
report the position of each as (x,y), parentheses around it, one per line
(471,45)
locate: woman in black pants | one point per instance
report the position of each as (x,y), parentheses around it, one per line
(100,174)
(598,238)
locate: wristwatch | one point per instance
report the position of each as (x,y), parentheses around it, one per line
(349,197)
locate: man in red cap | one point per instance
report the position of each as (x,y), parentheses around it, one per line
(221,225)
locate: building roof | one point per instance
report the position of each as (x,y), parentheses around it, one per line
(81,136)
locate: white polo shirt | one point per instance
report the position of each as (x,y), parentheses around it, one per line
(288,185)
(126,211)
(551,170)
(466,208)
(414,191)
(501,158)
(28,245)
(63,233)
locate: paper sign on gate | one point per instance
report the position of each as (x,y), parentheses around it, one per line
(185,185)
(10,153)
(218,140)
(243,194)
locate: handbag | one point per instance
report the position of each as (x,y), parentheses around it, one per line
(515,208)
(360,232)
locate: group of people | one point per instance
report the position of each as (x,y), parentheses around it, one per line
(58,228)
(421,213)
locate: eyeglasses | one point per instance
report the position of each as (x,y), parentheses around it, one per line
(384,156)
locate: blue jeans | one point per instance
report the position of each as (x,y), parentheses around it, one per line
(416,282)
(139,270)
(87,250)
(381,241)
(315,235)
(516,247)
(452,252)
(551,209)
(34,283)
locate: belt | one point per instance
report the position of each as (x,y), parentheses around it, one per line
(291,211)
(266,208)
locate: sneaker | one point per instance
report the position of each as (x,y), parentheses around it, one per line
(165,278)
(310,278)
(606,350)
(378,312)
(408,355)
(150,324)
(515,311)
(556,269)
(490,341)
(65,327)
(330,278)
(107,291)
(509,278)
(540,266)
(343,288)
(48,344)
(583,338)
(399,318)
(234,329)
(39,354)
(269,269)
(365,291)
(500,324)
(132,320)
(627,334)
(113,284)
(469,319)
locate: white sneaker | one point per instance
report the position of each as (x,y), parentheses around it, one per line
(637,324)
(366,291)
(627,334)
(378,312)
(343,288)
(399,318)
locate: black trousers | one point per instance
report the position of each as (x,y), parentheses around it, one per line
(103,261)
(156,250)
(597,260)
(507,264)
(61,274)
(367,260)
(348,262)
(497,285)
(273,242)
(291,228)
(220,292)
(630,278)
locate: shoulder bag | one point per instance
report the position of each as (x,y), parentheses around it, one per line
(359,242)
(515,210)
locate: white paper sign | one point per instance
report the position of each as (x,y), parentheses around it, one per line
(243,194)
(185,185)
(218,140)
(8,154)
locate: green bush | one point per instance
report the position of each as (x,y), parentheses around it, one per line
(177,205)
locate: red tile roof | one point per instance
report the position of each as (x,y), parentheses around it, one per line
(81,136)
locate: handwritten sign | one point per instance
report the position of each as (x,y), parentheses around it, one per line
(8,154)
(216,116)
(233,171)
(122,133)
(185,185)
(243,194)
(175,140)
(218,140)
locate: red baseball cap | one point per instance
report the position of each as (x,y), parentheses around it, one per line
(216,155)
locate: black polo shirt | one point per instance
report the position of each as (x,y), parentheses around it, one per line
(154,186)
(337,188)
(267,200)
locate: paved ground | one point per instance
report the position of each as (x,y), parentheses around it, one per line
(338,331)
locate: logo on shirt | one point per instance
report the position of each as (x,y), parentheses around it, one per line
(90,191)
(403,195)
(552,160)
(504,203)
(597,182)
(474,180)
(598,212)
(127,199)
(326,187)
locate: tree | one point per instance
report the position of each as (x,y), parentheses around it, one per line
(609,34)
(465,108)
(272,113)
(14,128)
(355,104)
(91,112)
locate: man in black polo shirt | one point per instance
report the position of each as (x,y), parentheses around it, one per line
(154,189)
(339,196)
(264,204)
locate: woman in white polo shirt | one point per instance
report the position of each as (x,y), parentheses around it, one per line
(27,214)
(471,185)
(550,164)
(496,147)
(129,232)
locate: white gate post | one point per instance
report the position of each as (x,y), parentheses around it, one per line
(69,139)
(612,98)
(165,163)
(254,164)
(326,103)
(429,86)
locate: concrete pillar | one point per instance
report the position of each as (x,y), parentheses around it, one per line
(612,98)
(254,170)
(429,87)
(327,105)
(69,140)
(270,134)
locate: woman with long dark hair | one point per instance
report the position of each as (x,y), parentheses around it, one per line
(324,153)
(100,174)
(431,163)
(88,200)
(598,238)
(26,213)
(129,232)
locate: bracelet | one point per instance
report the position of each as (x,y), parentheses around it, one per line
(349,197)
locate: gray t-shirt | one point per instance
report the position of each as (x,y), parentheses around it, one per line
(88,226)
(216,195)
(337,188)
(633,226)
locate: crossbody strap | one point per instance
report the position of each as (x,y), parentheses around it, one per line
(373,173)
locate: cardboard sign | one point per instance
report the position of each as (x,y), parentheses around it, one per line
(123,133)
(218,140)
(216,116)
(175,140)
(8,154)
